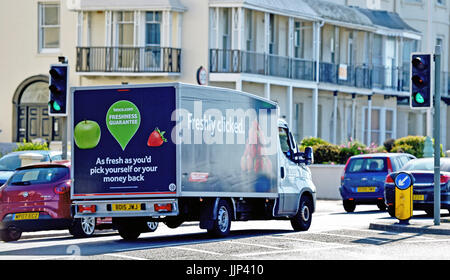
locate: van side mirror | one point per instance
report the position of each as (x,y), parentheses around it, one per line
(309,155)
(306,157)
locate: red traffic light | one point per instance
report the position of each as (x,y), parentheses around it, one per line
(418,63)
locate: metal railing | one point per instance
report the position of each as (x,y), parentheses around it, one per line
(128,59)
(238,61)
(360,76)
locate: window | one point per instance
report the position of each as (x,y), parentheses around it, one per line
(350,49)
(287,144)
(153,28)
(382,125)
(38,175)
(358,165)
(298,121)
(226,41)
(272,34)
(298,40)
(152,56)
(125,28)
(49,27)
(249,30)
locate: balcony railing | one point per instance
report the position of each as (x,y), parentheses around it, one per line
(128,59)
(237,61)
(362,76)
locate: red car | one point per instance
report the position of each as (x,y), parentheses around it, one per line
(37,197)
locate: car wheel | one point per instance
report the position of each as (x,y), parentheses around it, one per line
(349,205)
(152,226)
(381,205)
(391,211)
(83,227)
(302,220)
(430,212)
(10,234)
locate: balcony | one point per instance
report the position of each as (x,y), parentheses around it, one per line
(128,60)
(237,61)
(362,76)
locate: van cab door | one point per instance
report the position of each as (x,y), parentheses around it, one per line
(289,183)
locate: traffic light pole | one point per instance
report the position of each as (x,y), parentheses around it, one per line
(64,138)
(437,135)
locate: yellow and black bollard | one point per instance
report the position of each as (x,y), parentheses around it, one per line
(404,197)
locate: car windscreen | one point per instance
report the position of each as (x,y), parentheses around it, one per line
(43,175)
(12,162)
(358,165)
(426,165)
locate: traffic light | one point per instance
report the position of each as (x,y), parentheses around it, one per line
(58,86)
(421,81)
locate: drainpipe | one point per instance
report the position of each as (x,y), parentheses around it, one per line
(315,97)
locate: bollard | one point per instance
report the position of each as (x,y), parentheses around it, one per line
(404,197)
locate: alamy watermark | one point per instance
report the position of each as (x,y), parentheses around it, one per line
(226,126)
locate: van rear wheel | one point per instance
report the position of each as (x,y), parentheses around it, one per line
(83,227)
(222,224)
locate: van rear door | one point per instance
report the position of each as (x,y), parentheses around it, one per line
(122,145)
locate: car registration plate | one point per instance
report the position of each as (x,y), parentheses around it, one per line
(366,189)
(26,216)
(126,207)
(418,197)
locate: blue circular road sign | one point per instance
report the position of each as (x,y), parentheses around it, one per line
(403,180)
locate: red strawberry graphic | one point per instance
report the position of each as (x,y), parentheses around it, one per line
(156,138)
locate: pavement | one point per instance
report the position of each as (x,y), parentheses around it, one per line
(415,225)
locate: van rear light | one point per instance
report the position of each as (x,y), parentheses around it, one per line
(389,180)
(62,188)
(163,207)
(87,208)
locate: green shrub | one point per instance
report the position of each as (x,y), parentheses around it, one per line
(27,146)
(312,141)
(410,144)
(404,148)
(326,153)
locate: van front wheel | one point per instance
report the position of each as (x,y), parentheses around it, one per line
(302,220)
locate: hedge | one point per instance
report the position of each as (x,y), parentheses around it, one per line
(325,152)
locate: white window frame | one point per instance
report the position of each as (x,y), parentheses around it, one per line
(382,131)
(41,26)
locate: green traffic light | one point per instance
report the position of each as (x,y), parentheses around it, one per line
(419,98)
(55,106)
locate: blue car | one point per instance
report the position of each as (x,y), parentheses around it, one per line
(364,176)
(423,189)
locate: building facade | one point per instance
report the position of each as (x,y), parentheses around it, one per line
(339,70)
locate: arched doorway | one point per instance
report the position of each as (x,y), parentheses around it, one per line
(30,112)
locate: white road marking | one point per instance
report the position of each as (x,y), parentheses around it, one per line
(292,251)
(254,244)
(196,250)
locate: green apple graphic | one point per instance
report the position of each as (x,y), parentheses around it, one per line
(87,134)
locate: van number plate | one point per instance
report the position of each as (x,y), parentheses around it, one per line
(126,207)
